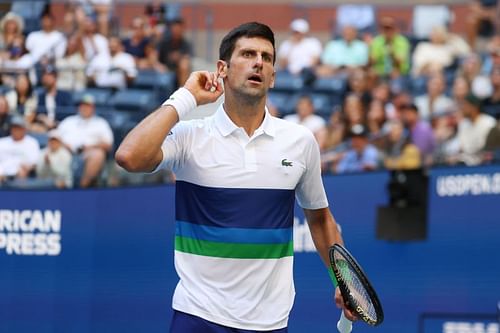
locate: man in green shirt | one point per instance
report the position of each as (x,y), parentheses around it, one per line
(390,51)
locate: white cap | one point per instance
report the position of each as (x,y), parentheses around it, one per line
(54,134)
(299,25)
(481,87)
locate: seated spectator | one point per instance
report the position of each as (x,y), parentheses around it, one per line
(492,58)
(89,136)
(103,10)
(470,67)
(305,115)
(55,162)
(376,122)
(494,99)
(176,51)
(94,43)
(460,89)
(399,152)
(155,12)
(46,45)
(390,51)
(19,152)
(332,135)
(473,130)
(421,134)
(361,17)
(22,99)
(362,156)
(358,84)
(435,100)
(5,117)
(492,145)
(11,30)
(445,128)
(342,55)
(116,71)
(354,111)
(49,100)
(433,56)
(300,51)
(137,42)
(71,67)
(151,60)
(481,20)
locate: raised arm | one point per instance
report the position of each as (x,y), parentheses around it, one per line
(140,151)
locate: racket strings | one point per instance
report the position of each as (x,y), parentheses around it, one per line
(356,288)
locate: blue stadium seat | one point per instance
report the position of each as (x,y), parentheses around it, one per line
(287,82)
(162,83)
(101,95)
(134,100)
(64,111)
(281,101)
(492,110)
(333,85)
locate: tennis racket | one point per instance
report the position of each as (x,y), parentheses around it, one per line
(355,288)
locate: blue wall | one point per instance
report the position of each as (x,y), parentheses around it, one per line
(115,271)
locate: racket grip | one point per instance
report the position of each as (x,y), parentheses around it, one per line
(344,325)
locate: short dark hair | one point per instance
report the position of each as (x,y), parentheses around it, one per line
(411,107)
(248,30)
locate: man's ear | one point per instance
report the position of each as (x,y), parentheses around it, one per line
(273,77)
(222,69)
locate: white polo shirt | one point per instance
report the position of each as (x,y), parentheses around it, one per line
(234,211)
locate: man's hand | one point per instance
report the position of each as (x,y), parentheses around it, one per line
(204,86)
(339,301)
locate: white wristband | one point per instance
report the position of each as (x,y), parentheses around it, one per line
(182,100)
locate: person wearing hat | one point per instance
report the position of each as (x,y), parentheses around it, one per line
(361,156)
(300,51)
(390,51)
(18,152)
(55,162)
(473,130)
(175,51)
(90,137)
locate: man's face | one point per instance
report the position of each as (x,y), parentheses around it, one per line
(17,132)
(358,143)
(250,71)
(304,107)
(86,110)
(349,33)
(47,23)
(49,80)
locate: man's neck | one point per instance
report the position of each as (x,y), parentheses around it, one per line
(246,115)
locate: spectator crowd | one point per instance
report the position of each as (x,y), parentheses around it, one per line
(373,96)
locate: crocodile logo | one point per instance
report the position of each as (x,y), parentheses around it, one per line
(286,163)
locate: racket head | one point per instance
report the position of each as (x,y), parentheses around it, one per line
(355,287)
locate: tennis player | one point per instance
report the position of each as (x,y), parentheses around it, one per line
(238,174)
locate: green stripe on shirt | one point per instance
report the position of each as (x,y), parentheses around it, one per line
(233,250)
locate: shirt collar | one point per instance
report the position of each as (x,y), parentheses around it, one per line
(226,125)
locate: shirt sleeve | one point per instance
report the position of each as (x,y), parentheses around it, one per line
(310,192)
(175,147)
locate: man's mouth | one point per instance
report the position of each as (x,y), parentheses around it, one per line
(256,78)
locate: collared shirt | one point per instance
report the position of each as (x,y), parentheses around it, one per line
(355,162)
(339,53)
(234,211)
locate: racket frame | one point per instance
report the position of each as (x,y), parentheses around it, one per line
(344,290)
